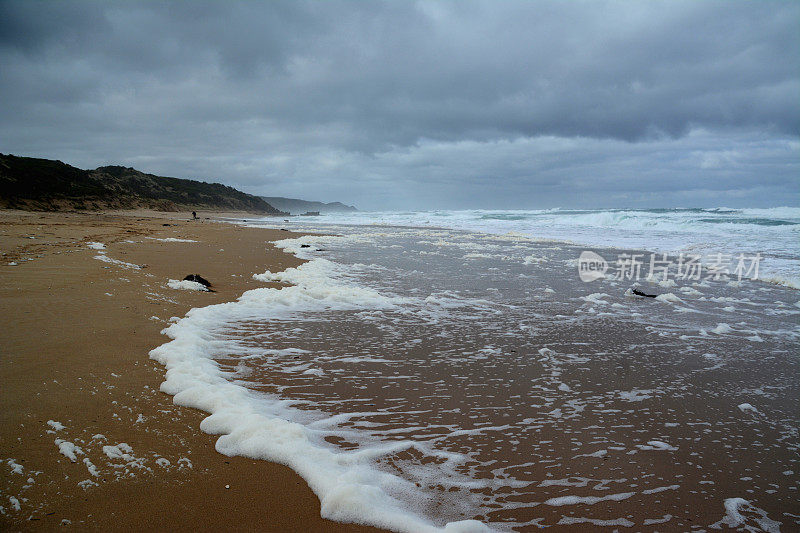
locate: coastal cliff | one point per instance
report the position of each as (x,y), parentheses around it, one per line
(47,185)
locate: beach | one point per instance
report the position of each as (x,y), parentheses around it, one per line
(411,378)
(75,340)
(419,267)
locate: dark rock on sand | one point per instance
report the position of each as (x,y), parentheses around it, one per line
(199,279)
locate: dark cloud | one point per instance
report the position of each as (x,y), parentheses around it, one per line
(428,103)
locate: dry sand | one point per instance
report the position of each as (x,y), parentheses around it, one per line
(73,349)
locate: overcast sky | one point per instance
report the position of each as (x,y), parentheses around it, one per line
(424,104)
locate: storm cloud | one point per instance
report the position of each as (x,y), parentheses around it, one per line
(427,104)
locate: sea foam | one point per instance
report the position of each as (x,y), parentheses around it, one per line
(390,307)
(186,285)
(349,485)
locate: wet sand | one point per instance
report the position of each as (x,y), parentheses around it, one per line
(581,408)
(73,350)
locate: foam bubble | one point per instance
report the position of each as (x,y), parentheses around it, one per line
(722,328)
(186,285)
(669,297)
(16,468)
(735,517)
(68,449)
(656,445)
(636,395)
(90,467)
(747,408)
(57,426)
(14,503)
(653,521)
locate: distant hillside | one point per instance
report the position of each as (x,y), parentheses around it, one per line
(43,184)
(298,207)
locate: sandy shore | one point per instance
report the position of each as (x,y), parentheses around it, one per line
(77,331)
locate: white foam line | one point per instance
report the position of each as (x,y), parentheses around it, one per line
(572,520)
(348,484)
(475,431)
(171,239)
(588,500)
(103,257)
(661,489)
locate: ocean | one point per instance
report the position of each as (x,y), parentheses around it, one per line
(773,232)
(494,370)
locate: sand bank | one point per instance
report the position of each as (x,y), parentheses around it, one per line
(73,353)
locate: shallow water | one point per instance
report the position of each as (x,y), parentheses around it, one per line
(449,375)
